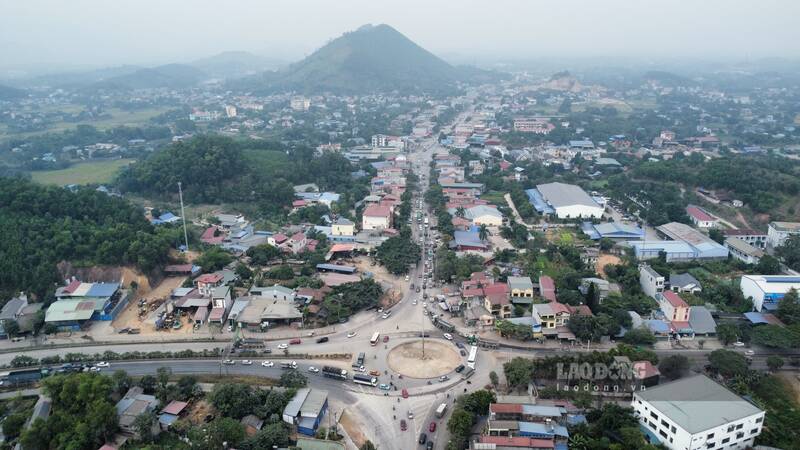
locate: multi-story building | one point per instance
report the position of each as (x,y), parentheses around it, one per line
(778,232)
(652,282)
(696,413)
(767,290)
(300,103)
(536,125)
(752,237)
(743,251)
(675,309)
(376,217)
(520,287)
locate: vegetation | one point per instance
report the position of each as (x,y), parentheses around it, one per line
(610,427)
(674,366)
(50,224)
(466,410)
(92,172)
(348,298)
(398,253)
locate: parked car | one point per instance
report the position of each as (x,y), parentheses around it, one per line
(432,427)
(374,373)
(429,446)
(422,438)
(460,368)
(384,387)
(313,369)
(448,336)
(385,338)
(322,340)
(463,352)
(267,363)
(460,345)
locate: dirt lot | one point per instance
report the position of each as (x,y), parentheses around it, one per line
(440,358)
(790,378)
(603,260)
(352,428)
(379,273)
(129,318)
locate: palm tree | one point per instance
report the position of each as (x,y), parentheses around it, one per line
(461,212)
(483,232)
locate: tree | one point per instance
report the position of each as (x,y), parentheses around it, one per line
(789,252)
(368,445)
(606,244)
(774,363)
(727,333)
(397,254)
(461,212)
(11,327)
(148,384)
(727,363)
(163,375)
(483,232)
(293,379)
(213,259)
(586,328)
(222,432)
(460,423)
(13,424)
(518,372)
(122,381)
(272,435)
(478,402)
(243,272)
(494,379)
(187,388)
(234,400)
(716,235)
(674,366)
(768,265)
(789,308)
(261,255)
(639,336)
(775,336)
(143,424)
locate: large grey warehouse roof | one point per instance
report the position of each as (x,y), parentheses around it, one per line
(560,194)
(698,403)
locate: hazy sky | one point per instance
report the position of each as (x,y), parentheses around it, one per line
(109,32)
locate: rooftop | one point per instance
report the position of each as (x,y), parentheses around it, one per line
(789,227)
(697,403)
(561,194)
(700,214)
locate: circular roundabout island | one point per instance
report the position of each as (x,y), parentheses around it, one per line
(439,359)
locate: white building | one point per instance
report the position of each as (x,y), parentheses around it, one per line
(700,217)
(376,217)
(569,201)
(230,111)
(652,283)
(696,413)
(767,290)
(485,215)
(300,103)
(778,232)
(743,251)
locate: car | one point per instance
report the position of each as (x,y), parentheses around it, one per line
(448,336)
(386,315)
(295,342)
(380,310)
(267,363)
(403,425)
(460,345)
(385,338)
(410,415)
(283,346)
(738,344)
(374,373)
(414,302)
(407,277)
(404,393)
(432,427)
(460,368)
(103,364)
(351,334)
(422,438)
(313,369)
(247,362)
(362,369)
(429,446)
(94,369)
(230,328)
(229,362)
(749,353)
(322,340)
(384,387)
(443,378)
(463,352)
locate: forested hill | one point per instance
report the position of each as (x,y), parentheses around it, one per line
(45,225)
(215,169)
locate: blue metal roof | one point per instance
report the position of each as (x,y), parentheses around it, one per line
(782,279)
(336,268)
(537,201)
(540,429)
(756,318)
(102,289)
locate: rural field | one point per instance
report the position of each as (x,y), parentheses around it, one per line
(82,173)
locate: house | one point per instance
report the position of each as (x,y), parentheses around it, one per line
(547,288)
(343,230)
(778,232)
(551,316)
(274,292)
(252,424)
(376,217)
(79,302)
(171,413)
(602,287)
(675,309)
(521,288)
(567,201)
(767,290)
(684,283)
(467,241)
(696,412)
(651,282)
(306,409)
(497,303)
(512,442)
(752,237)
(743,251)
(132,405)
(701,321)
(206,283)
(20,311)
(262,312)
(701,218)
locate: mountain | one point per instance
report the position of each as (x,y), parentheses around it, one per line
(168,76)
(236,64)
(370,59)
(77,78)
(10,93)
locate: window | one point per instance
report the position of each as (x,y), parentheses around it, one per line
(730,428)
(661,432)
(710,436)
(664,422)
(760,419)
(710,445)
(739,435)
(672,428)
(739,427)
(655,416)
(726,440)
(754,431)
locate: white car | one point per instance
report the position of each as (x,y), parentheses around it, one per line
(267,363)
(313,369)
(247,362)
(351,334)
(749,353)
(414,302)
(283,346)
(386,315)
(362,369)
(229,362)
(448,336)
(102,364)
(738,344)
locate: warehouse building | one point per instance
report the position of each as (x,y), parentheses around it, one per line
(306,409)
(767,290)
(566,201)
(686,244)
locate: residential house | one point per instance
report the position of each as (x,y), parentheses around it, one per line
(675,309)
(206,283)
(752,237)
(20,311)
(376,217)
(651,282)
(701,218)
(342,230)
(306,410)
(684,283)
(132,405)
(496,300)
(521,289)
(547,288)
(778,232)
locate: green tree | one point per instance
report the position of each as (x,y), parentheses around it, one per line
(461,212)
(774,362)
(13,424)
(727,363)
(271,435)
(673,366)
(222,432)
(368,445)
(586,328)
(518,372)
(293,379)
(11,327)
(148,384)
(494,379)
(143,424)
(483,232)
(397,254)
(639,336)
(478,402)
(716,235)
(789,252)
(606,244)
(122,381)
(214,258)
(243,272)
(234,400)
(768,265)
(789,308)
(727,333)
(775,336)
(460,424)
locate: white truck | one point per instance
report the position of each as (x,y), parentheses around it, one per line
(441,410)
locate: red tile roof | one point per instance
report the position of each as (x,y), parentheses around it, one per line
(209,238)
(495,288)
(298,237)
(472,292)
(699,214)
(497,298)
(742,232)
(209,278)
(280,238)
(547,288)
(377,211)
(175,407)
(518,441)
(72,286)
(298,203)
(505,408)
(674,299)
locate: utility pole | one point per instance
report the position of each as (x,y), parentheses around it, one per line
(183,218)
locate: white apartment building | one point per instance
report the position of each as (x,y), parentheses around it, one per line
(651,282)
(696,413)
(778,232)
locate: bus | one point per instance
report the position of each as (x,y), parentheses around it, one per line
(373,341)
(360,378)
(473,353)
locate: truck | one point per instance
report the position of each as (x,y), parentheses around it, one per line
(468,372)
(360,361)
(289,365)
(441,410)
(368,380)
(443,325)
(334,372)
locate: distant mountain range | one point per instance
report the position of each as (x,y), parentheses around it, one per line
(370,59)
(236,64)
(169,76)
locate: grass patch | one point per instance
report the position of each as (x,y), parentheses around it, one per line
(272,161)
(494,197)
(566,237)
(118,118)
(92,172)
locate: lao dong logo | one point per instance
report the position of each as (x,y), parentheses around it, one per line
(614,377)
